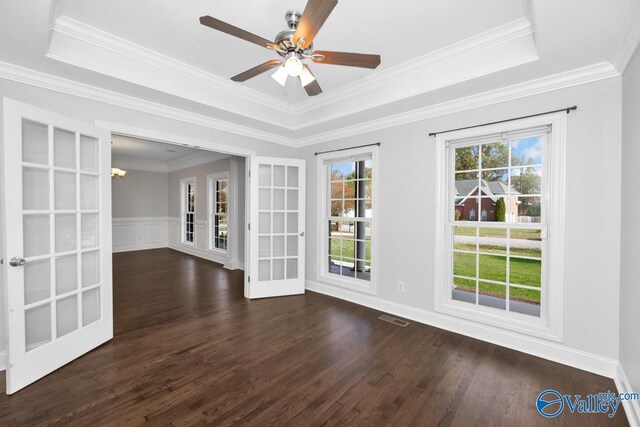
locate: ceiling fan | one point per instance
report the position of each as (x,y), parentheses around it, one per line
(294,45)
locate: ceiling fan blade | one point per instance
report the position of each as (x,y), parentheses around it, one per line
(313,88)
(252,72)
(314,15)
(219,25)
(346,58)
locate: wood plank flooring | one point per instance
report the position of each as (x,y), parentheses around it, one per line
(190,350)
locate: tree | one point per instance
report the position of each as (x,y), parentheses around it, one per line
(501,210)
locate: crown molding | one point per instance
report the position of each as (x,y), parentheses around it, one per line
(503,47)
(588,74)
(630,38)
(94,36)
(59,84)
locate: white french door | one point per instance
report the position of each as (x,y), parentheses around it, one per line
(276,235)
(57,216)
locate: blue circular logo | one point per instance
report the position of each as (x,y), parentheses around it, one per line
(549,403)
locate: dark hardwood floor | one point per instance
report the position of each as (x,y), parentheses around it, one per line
(189,349)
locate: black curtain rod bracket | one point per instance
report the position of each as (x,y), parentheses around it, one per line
(567,110)
(349,148)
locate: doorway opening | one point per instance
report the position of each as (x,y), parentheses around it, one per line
(174,196)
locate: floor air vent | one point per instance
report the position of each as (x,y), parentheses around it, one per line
(394,320)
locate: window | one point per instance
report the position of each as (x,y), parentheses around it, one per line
(347,218)
(501,198)
(188,214)
(218,211)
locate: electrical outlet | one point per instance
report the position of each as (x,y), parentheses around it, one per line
(400,286)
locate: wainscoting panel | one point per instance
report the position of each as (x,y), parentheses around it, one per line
(134,234)
(200,247)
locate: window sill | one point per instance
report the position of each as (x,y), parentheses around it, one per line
(520,323)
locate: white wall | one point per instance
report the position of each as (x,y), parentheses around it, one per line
(140,208)
(630,270)
(406,213)
(140,194)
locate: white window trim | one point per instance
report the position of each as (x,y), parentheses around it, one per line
(183,211)
(550,324)
(211,179)
(322,274)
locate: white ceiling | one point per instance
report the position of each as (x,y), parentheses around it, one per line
(432,53)
(400,30)
(142,154)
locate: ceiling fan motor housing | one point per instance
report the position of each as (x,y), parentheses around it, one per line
(285,38)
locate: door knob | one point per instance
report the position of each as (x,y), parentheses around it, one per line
(302,234)
(17,262)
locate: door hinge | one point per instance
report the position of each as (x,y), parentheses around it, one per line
(249,226)
(248,279)
(249,173)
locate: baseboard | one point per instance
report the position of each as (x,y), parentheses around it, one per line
(535,346)
(234,266)
(3,361)
(139,247)
(200,253)
(631,407)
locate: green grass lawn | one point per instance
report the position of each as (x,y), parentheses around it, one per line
(348,249)
(499,232)
(492,249)
(493,267)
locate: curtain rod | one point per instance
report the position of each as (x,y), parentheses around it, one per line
(568,110)
(349,148)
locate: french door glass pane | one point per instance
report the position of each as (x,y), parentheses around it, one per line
(278,176)
(66,233)
(37,324)
(90,268)
(35,142)
(65,191)
(64,149)
(90,306)
(89,192)
(292,268)
(35,235)
(37,281)
(264,270)
(67,315)
(292,176)
(66,274)
(35,185)
(278,269)
(88,154)
(89,228)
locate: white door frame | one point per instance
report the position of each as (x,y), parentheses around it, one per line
(168,138)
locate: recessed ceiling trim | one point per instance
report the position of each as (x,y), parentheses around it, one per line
(520,28)
(442,74)
(500,48)
(70,87)
(588,74)
(68,44)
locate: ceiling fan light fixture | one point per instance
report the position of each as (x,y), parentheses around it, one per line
(280,75)
(293,65)
(306,77)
